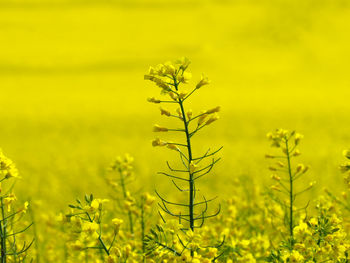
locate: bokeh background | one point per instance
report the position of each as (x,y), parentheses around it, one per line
(73,95)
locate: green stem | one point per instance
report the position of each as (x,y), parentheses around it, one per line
(3,232)
(103,245)
(65,249)
(86,256)
(189,149)
(99,236)
(143,230)
(35,233)
(122,182)
(291,197)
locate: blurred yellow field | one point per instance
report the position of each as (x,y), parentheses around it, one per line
(74,96)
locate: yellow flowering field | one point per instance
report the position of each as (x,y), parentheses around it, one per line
(174,131)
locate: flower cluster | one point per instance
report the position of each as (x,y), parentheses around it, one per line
(7,168)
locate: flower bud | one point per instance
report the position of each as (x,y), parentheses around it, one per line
(296,153)
(117,223)
(172,146)
(185,77)
(189,114)
(184,63)
(300,167)
(183,94)
(204,81)
(158,142)
(173,96)
(346,153)
(280,164)
(297,138)
(164,112)
(216,109)
(158,128)
(212,119)
(153,100)
(202,118)
(193,167)
(169,68)
(275,177)
(275,187)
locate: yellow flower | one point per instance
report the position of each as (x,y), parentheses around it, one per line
(148,199)
(95,205)
(127,249)
(194,239)
(77,245)
(90,227)
(313,221)
(169,68)
(183,62)
(24,208)
(111,259)
(301,229)
(7,167)
(185,77)
(212,253)
(296,257)
(9,200)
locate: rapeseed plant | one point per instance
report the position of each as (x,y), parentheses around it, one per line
(344,200)
(140,207)
(123,166)
(86,227)
(285,174)
(120,240)
(13,226)
(171,77)
(320,238)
